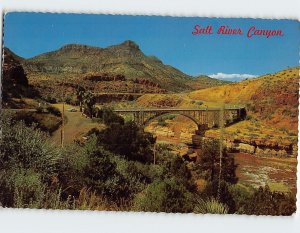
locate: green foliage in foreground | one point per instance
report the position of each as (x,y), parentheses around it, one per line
(164,196)
(210,206)
(266,202)
(127,140)
(27,163)
(209,164)
(34,173)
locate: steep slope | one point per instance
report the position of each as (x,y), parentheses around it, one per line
(14,79)
(15,84)
(13,55)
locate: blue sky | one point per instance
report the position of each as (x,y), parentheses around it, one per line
(168,38)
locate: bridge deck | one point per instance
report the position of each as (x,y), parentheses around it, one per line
(175,109)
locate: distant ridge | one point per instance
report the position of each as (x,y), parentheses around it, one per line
(123,59)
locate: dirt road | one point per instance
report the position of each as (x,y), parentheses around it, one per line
(76,125)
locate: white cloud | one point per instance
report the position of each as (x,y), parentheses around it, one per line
(232,77)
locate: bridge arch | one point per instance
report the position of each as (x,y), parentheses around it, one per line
(151,119)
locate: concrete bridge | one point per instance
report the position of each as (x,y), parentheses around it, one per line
(203,117)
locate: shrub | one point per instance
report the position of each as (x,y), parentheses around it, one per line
(241,195)
(26,147)
(220,193)
(210,206)
(27,162)
(174,166)
(108,116)
(164,196)
(44,121)
(27,187)
(161,122)
(55,111)
(266,202)
(101,173)
(128,140)
(50,99)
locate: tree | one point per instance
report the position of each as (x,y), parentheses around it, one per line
(128,140)
(80,91)
(109,117)
(209,163)
(89,101)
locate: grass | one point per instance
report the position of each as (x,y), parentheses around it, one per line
(255,130)
(278,186)
(210,206)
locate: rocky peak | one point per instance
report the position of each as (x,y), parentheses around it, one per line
(78,48)
(13,72)
(131,44)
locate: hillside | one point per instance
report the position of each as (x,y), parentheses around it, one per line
(75,60)
(124,59)
(271,97)
(14,80)
(272,108)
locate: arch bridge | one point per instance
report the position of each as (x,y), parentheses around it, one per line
(208,117)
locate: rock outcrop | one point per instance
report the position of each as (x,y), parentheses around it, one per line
(265,150)
(14,79)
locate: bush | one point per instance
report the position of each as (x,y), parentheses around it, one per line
(161,122)
(108,116)
(241,195)
(266,202)
(53,110)
(174,166)
(164,196)
(44,121)
(223,195)
(210,206)
(27,162)
(26,147)
(27,187)
(128,140)
(101,174)
(50,99)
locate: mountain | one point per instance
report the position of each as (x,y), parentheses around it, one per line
(124,59)
(271,97)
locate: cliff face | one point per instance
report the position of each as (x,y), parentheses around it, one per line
(13,72)
(14,79)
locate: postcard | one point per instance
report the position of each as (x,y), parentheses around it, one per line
(149,113)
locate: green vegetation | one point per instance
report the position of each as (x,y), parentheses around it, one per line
(266,202)
(47,122)
(210,206)
(114,170)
